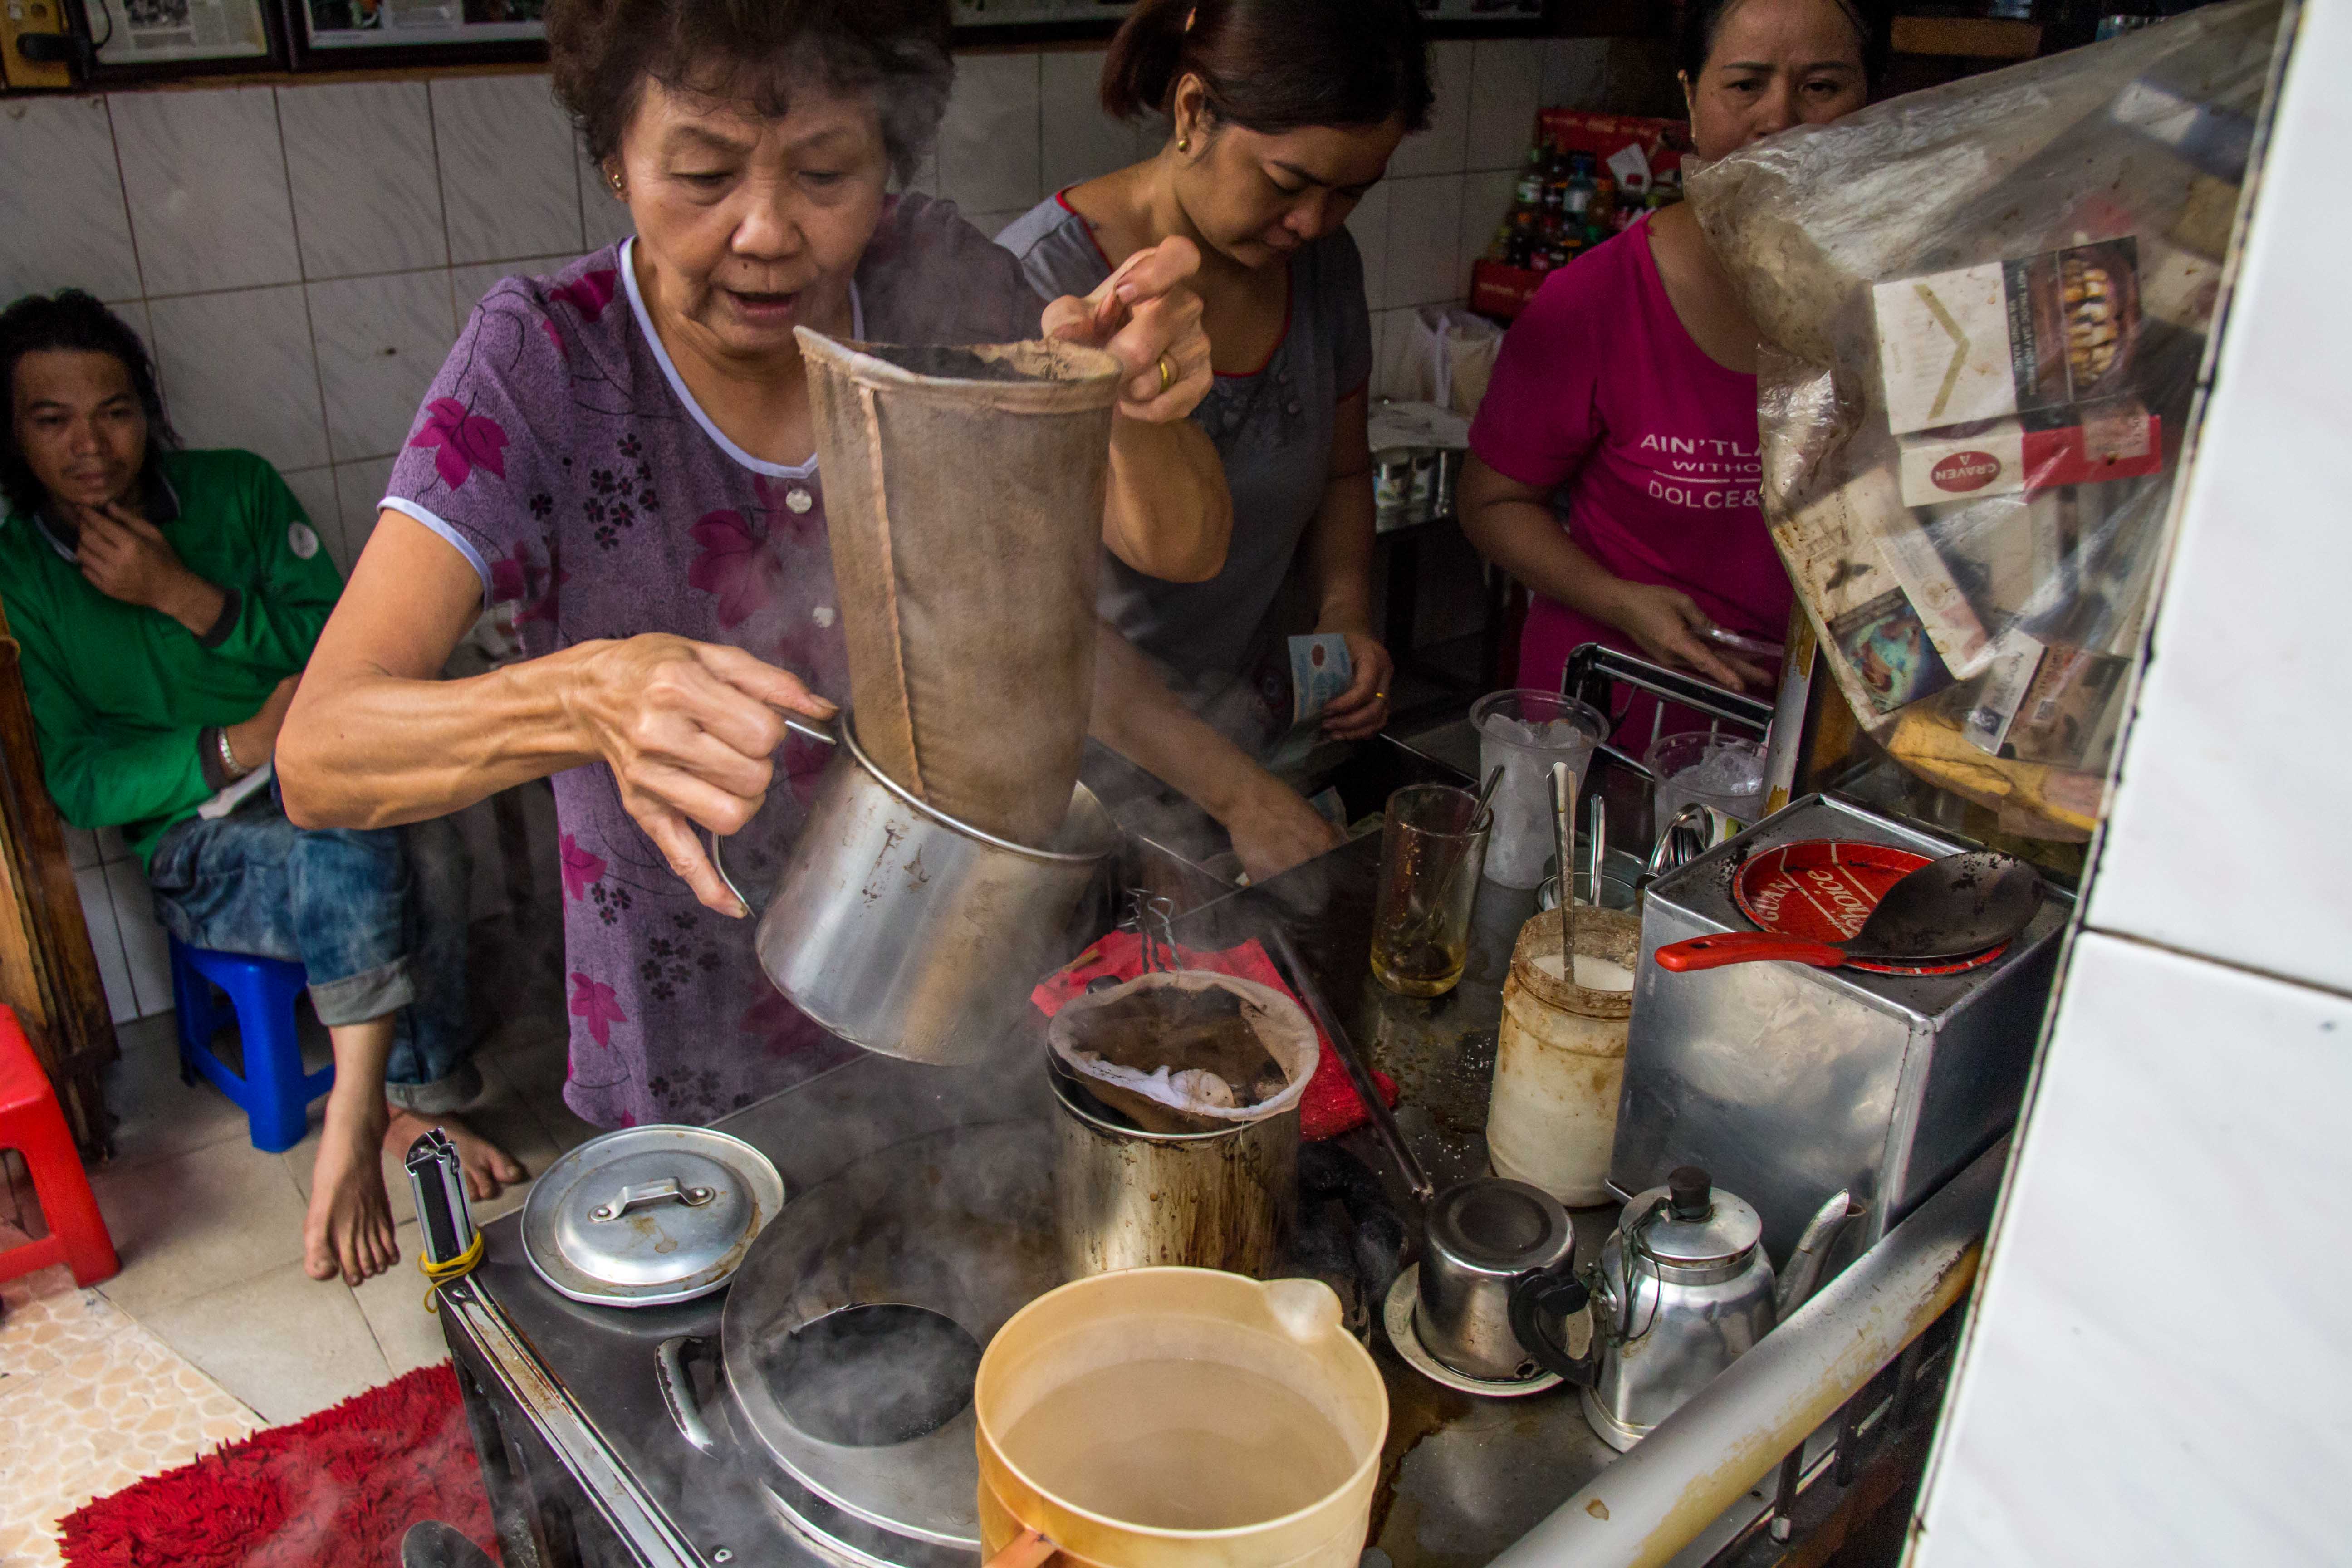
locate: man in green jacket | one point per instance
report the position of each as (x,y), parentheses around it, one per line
(165,603)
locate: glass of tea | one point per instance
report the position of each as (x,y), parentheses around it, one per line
(1433,849)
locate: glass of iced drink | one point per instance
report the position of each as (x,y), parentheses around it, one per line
(1432,847)
(1725,772)
(1522,732)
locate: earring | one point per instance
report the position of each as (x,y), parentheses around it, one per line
(1183,143)
(615,181)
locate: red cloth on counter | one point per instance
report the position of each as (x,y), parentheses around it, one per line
(1330,1106)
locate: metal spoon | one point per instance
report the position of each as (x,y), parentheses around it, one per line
(1600,817)
(1564,845)
(1950,909)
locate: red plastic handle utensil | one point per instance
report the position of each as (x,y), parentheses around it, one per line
(1747,947)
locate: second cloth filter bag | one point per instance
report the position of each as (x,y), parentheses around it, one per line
(964,498)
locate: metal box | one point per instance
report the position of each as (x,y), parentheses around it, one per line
(1788,1082)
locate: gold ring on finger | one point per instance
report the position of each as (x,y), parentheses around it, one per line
(1166,373)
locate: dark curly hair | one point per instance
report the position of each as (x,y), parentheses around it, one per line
(69,318)
(1271,66)
(757,53)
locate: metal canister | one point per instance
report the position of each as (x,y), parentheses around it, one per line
(1421,501)
(1125,1198)
(1391,485)
(1449,476)
(1481,1238)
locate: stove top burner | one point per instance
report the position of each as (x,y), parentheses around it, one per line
(873,1376)
(921,1251)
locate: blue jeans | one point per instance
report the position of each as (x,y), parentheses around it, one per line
(376,918)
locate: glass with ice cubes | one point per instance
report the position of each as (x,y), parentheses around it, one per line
(1725,772)
(1522,732)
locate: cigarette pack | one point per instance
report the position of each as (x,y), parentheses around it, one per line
(2031,452)
(2049,703)
(1887,648)
(2008,337)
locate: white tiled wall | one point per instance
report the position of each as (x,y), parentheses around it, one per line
(300,257)
(121,920)
(1022,126)
(2157,1370)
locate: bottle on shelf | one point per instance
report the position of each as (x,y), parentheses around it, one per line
(1532,175)
(1576,191)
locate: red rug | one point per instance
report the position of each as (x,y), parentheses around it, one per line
(340,1488)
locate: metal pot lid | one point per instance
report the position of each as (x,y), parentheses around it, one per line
(1697,1223)
(648,1216)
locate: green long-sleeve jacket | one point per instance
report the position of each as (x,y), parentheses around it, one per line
(122,694)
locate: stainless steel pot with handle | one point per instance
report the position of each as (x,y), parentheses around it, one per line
(910,933)
(1125,1198)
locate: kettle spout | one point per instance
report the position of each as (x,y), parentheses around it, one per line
(1805,1269)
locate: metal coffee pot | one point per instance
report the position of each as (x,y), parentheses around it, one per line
(902,930)
(1483,1239)
(1683,1288)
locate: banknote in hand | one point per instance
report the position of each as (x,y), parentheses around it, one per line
(1320,671)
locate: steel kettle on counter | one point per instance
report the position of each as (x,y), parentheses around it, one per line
(1683,1288)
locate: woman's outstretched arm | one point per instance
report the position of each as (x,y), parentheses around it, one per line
(375,737)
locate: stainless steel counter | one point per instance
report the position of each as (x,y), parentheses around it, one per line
(1464,1478)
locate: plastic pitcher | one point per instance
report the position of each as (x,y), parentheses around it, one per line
(1524,732)
(1177,1418)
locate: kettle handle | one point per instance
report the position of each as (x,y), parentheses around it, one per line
(823,735)
(1538,1296)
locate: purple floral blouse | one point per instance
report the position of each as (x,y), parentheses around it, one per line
(558,452)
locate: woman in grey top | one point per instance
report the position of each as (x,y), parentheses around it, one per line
(1282,113)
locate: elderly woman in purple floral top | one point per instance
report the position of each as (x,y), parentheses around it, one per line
(626,451)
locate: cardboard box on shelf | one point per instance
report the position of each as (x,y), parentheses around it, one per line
(1503,292)
(1631,149)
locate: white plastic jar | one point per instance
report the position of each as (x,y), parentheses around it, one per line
(1560,1060)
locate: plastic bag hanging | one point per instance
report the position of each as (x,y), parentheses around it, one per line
(1984,308)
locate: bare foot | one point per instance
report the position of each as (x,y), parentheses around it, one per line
(348,1227)
(488,1167)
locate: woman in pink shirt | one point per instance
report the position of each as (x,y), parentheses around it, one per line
(1628,390)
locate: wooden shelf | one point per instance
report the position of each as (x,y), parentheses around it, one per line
(1967,37)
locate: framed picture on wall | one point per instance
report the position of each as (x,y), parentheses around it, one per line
(1035,21)
(134,41)
(330,34)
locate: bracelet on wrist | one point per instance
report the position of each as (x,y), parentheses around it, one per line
(229,764)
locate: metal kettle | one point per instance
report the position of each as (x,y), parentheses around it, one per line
(1681,1289)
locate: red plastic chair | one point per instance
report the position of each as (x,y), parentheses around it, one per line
(32,1124)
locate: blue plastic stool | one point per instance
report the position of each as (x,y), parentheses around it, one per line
(274,1092)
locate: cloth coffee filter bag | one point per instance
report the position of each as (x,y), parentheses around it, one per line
(964,496)
(1188,1050)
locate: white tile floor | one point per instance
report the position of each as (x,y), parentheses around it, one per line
(210,1229)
